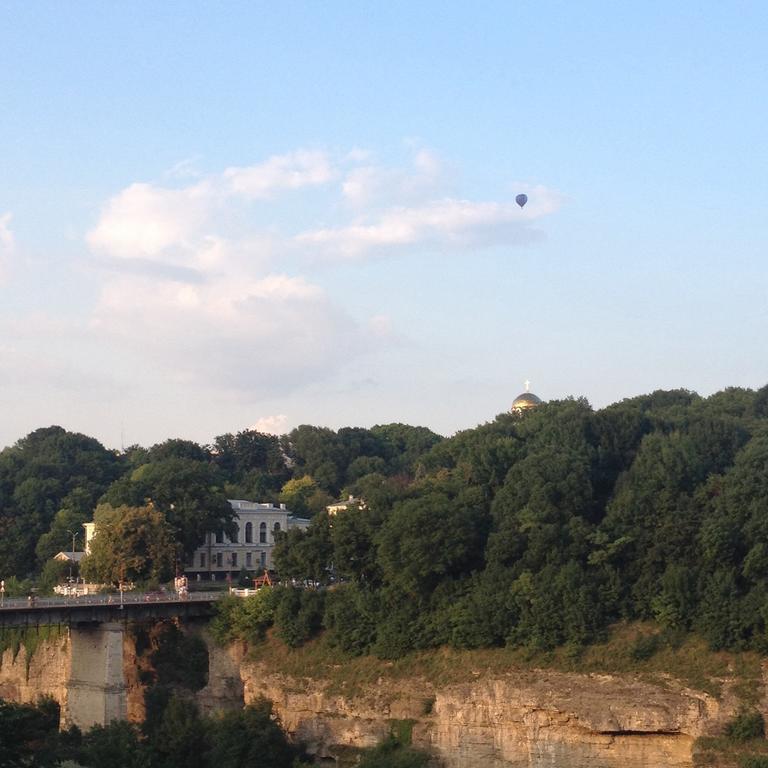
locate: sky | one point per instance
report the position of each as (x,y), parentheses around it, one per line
(217,216)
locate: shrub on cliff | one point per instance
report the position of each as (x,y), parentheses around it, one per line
(299,614)
(754,761)
(745,726)
(350,618)
(392,754)
(244,618)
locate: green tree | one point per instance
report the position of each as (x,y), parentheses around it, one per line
(350,617)
(250,737)
(186,491)
(244,618)
(306,555)
(299,614)
(300,495)
(42,473)
(131,543)
(29,734)
(117,745)
(432,537)
(181,738)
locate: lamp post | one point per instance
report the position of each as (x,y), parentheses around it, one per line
(73,534)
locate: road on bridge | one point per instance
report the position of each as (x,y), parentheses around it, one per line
(127,598)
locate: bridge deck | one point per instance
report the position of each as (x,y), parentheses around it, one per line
(99,609)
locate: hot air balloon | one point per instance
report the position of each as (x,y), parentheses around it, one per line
(521,200)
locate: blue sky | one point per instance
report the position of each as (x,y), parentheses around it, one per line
(219,215)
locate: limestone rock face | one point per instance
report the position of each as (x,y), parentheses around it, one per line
(225,685)
(45,673)
(523,720)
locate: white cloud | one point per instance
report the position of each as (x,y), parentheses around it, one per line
(271,425)
(281,172)
(145,220)
(448,222)
(380,325)
(371,184)
(197,287)
(148,221)
(260,335)
(7,241)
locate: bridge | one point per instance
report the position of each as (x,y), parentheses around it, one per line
(101,609)
(96,691)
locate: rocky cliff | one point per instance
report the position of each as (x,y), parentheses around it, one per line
(44,670)
(531,719)
(521,718)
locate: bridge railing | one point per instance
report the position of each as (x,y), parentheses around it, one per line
(128,598)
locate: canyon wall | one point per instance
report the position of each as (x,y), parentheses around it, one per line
(522,719)
(24,677)
(531,719)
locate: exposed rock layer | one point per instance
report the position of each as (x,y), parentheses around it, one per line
(44,673)
(525,719)
(531,719)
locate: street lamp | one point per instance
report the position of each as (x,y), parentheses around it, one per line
(73,534)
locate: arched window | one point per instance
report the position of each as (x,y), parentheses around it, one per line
(249,533)
(276,530)
(219,537)
(263,533)
(235,538)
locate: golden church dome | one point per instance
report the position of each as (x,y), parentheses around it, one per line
(525,401)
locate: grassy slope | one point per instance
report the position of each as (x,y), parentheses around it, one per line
(637,649)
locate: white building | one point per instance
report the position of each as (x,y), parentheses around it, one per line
(342,505)
(251,545)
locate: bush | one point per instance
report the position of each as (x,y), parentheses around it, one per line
(645,647)
(244,618)
(754,761)
(392,754)
(350,619)
(299,615)
(746,726)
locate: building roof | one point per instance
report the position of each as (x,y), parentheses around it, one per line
(73,557)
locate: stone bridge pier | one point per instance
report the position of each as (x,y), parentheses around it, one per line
(95,690)
(85,671)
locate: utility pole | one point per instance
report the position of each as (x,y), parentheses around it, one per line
(71,560)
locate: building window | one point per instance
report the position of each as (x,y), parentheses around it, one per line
(249,558)
(249,533)
(202,559)
(263,533)
(219,559)
(276,530)
(234,559)
(263,559)
(219,537)
(235,538)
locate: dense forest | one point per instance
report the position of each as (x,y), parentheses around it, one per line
(543,529)
(539,529)
(52,481)
(179,738)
